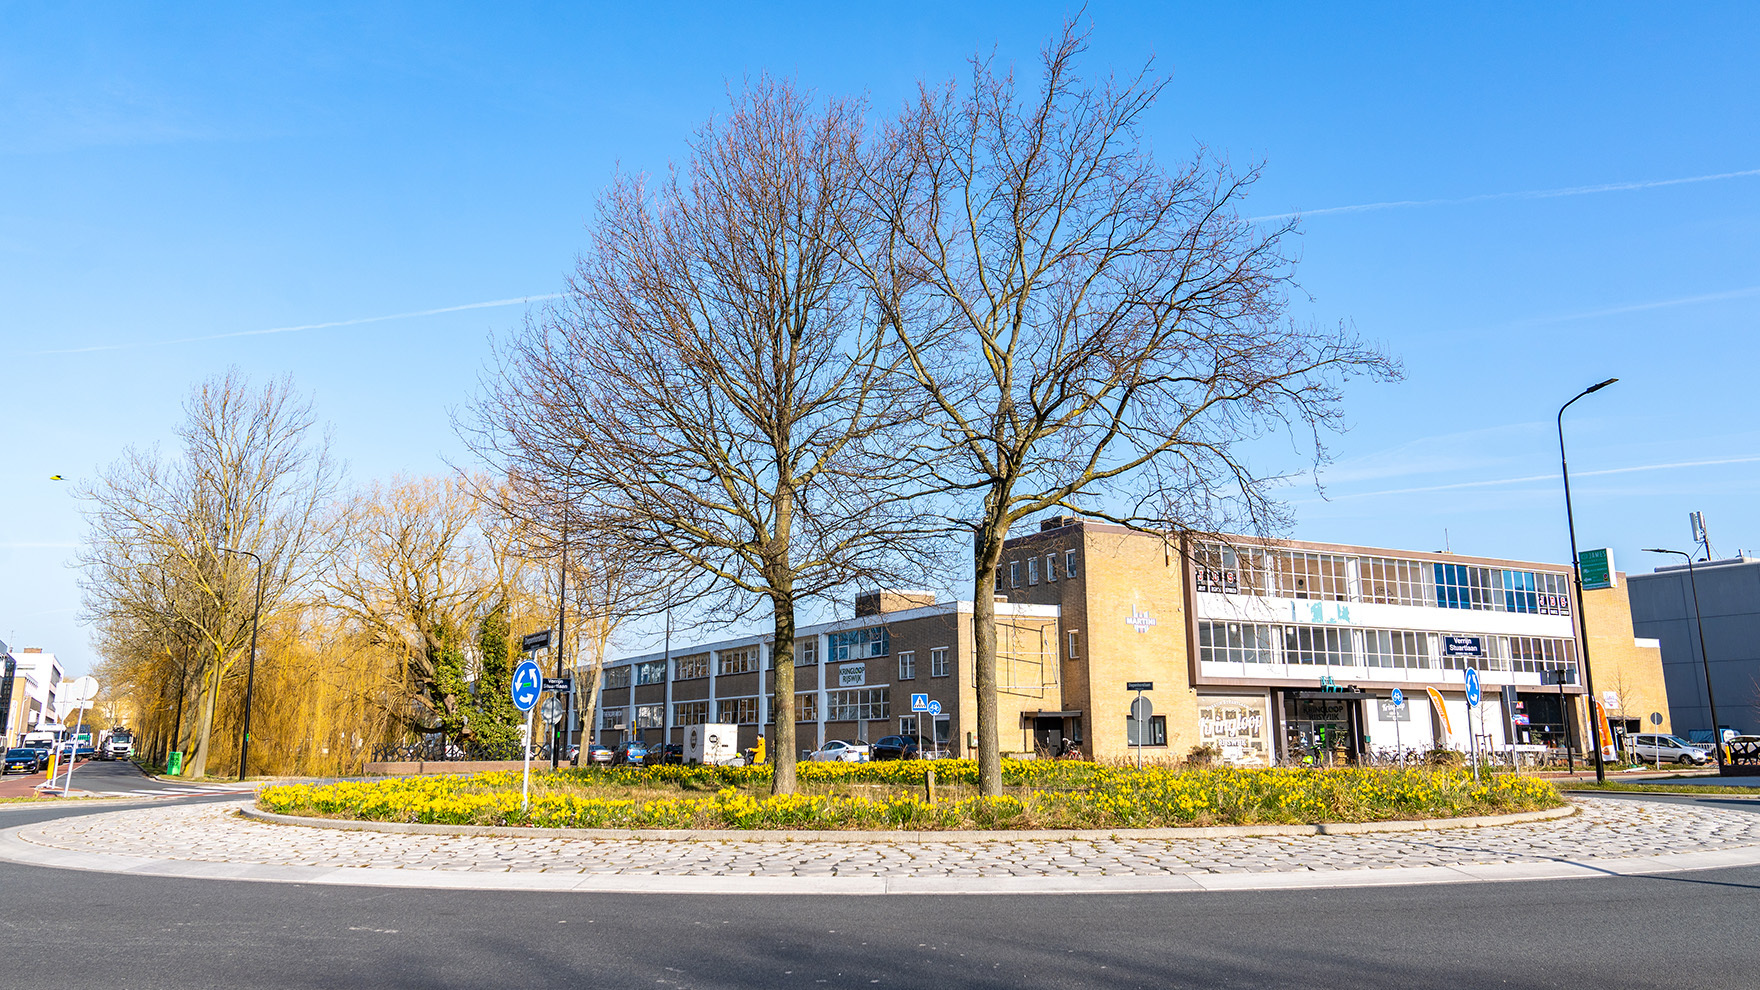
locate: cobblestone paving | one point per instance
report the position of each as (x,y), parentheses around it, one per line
(214,833)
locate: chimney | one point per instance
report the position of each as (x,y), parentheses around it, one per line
(1056,522)
(891,600)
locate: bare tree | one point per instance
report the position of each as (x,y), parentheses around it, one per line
(712,382)
(1088,324)
(253,473)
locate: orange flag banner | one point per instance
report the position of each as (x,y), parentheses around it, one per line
(1436,700)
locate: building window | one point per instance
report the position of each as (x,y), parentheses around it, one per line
(690,713)
(1327,646)
(652,672)
(737,711)
(860,644)
(616,677)
(1535,655)
(1225,570)
(611,718)
(1156,734)
(1397,582)
(741,661)
(907,665)
(1051,567)
(1074,638)
(1236,642)
(858,705)
(1069,563)
(1317,576)
(806,708)
(1032,570)
(1397,649)
(1014,574)
(692,667)
(907,725)
(938,662)
(650,716)
(806,652)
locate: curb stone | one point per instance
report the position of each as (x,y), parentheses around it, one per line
(909,837)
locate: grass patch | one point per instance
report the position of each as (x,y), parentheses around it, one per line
(1038,795)
(1632,786)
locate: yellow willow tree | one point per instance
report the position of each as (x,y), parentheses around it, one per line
(251,473)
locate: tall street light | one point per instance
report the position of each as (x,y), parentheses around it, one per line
(559,732)
(1710,698)
(1577,573)
(250,679)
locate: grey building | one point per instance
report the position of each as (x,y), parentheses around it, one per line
(1729,603)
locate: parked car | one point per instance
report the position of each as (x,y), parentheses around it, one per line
(595,754)
(1653,747)
(900,748)
(630,753)
(841,751)
(669,753)
(20,759)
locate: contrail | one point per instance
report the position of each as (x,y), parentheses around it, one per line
(1641,307)
(1529,194)
(305,326)
(1549,477)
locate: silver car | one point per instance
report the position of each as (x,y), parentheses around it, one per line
(1657,748)
(839,751)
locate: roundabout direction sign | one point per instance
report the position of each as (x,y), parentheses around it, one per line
(1473,695)
(1473,698)
(528,683)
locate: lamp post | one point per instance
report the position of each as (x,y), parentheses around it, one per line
(250,678)
(559,733)
(1704,661)
(1577,574)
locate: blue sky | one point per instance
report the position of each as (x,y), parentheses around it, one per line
(201,171)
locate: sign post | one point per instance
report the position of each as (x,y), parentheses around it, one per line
(1399,698)
(1473,699)
(84,690)
(1656,719)
(1141,711)
(528,683)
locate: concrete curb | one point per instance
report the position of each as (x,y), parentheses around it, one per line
(907,837)
(17,849)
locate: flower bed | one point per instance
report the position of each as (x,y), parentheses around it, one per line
(892,796)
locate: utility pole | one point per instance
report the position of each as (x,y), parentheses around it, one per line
(1582,622)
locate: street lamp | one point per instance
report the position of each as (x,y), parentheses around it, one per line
(250,679)
(1577,573)
(1704,661)
(560,731)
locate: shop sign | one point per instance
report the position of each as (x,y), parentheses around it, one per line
(1236,726)
(1141,621)
(1596,567)
(852,675)
(1391,712)
(1320,613)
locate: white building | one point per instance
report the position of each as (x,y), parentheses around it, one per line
(36,682)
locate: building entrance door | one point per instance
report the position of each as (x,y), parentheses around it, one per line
(1048,735)
(1321,732)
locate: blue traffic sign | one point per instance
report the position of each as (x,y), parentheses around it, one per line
(934,707)
(919,702)
(1399,697)
(528,683)
(1472,688)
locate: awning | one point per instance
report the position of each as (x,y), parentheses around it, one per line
(1074,714)
(1332,695)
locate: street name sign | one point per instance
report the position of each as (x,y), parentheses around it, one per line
(1463,646)
(1139,685)
(528,683)
(561,685)
(535,641)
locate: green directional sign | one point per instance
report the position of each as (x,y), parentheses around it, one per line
(1596,567)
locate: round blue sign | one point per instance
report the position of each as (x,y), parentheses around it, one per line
(934,707)
(1472,688)
(528,683)
(1399,697)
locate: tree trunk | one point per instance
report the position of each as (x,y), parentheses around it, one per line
(782,696)
(205,732)
(986,558)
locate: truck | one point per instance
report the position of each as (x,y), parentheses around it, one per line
(115,744)
(711,744)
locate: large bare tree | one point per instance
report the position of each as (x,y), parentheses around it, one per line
(1097,331)
(709,389)
(252,473)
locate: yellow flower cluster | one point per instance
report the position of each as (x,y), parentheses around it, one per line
(890,796)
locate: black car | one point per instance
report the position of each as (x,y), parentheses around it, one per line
(899,748)
(670,753)
(22,760)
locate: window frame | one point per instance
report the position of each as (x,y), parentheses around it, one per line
(938,665)
(907,665)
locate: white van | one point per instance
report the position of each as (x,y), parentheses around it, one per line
(1650,747)
(711,744)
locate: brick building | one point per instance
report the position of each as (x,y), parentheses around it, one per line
(1266,650)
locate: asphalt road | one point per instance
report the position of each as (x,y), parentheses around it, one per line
(104,930)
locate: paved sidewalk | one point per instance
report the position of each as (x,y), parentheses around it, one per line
(212,840)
